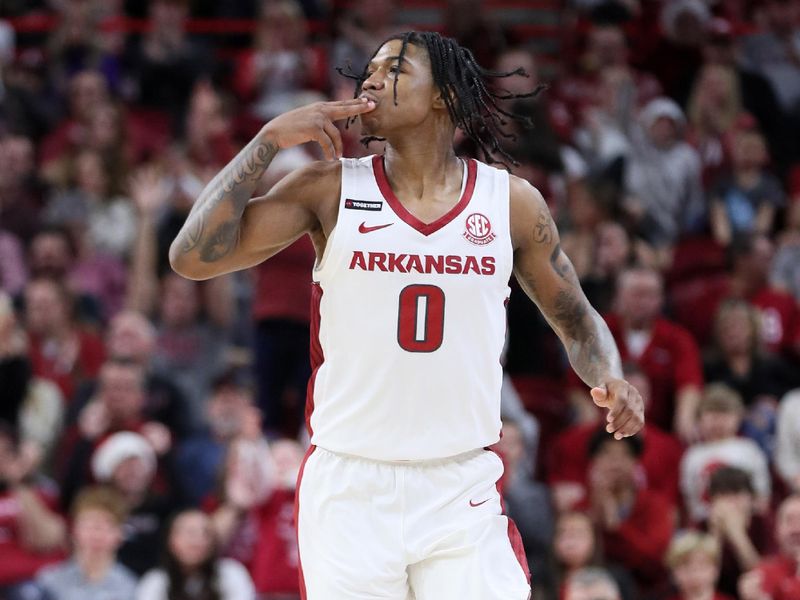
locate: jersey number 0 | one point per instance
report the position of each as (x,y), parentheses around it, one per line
(420,318)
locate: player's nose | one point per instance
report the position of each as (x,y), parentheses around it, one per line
(374,82)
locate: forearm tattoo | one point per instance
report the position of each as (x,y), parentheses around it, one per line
(212,226)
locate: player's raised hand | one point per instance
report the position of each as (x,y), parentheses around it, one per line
(625,407)
(314,123)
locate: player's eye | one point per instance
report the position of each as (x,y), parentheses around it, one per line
(394,69)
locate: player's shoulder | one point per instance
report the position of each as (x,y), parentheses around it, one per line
(525,201)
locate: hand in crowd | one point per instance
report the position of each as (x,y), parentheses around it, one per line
(750,587)
(158,435)
(149,191)
(93,420)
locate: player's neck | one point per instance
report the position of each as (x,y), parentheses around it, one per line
(415,169)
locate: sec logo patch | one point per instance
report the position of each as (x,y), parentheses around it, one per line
(478,229)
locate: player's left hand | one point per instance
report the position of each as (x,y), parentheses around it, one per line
(625,407)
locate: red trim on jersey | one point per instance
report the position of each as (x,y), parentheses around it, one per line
(309,452)
(514,537)
(403,213)
(315,350)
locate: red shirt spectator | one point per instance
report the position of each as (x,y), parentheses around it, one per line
(283,284)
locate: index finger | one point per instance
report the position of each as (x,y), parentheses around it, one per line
(620,403)
(347,108)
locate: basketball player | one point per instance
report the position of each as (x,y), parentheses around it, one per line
(397,498)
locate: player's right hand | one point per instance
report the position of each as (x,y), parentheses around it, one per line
(314,123)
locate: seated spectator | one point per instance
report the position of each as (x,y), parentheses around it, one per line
(742,534)
(93,572)
(745,199)
(281,70)
(759,377)
(34,405)
(131,338)
(636,524)
(751,256)
(527,502)
(126,462)
(575,547)
(569,457)
(664,351)
(785,271)
(787,447)
(59,349)
(21,187)
(32,533)
(719,417)
(776,577)
(13,271)
(693,560)
(189,346)
(591,584)
(118,405)
(255,519)
(191,568)
(662,181)
(230,412)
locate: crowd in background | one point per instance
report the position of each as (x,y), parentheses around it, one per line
(152,428)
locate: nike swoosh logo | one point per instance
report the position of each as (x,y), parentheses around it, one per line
(364,229)
(474,504)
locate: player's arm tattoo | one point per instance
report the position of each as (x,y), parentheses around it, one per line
(212,227)
(586,337)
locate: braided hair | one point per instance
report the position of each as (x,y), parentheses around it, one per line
(471,100)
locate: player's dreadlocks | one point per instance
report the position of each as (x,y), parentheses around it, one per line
(470,100)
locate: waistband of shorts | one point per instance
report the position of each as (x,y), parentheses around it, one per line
(424,462)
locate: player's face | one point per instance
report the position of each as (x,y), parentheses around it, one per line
(415,89)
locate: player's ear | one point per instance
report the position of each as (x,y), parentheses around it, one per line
(439,99)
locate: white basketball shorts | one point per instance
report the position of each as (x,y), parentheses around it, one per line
(429,530)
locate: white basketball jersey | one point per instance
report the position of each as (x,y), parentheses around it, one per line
(408,320)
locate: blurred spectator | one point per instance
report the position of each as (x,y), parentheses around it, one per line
(787,446)
(575,547)
(94,208)
(527,501)
(282,69)
(760,378)
(21,188)
(96,282)
(664,351)
(32,405)
(87,93)
(569,457)
(117,405)
(475,28)
(751,256)
(165,64)
(93,572)
(188,346)
(229,413)
(636,524)
(591,584)
(360,31)
(713,107)
(662,181)
(785,271)
(614,250)
(126,461)
(60,350)
(742,534)
(719,416)
(693,560)
(255,520)
(32,533)
(773,52)
(13,272)
(191,567)
(776,577)
(747,198)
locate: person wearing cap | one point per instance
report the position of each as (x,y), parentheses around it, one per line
(664,193)
(126,461)
(636,523)
(92,573)
(693,561)
(719,416)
